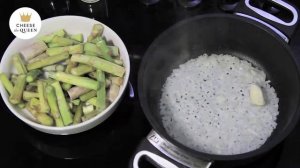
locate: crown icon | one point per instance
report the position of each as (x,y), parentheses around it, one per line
(25,17)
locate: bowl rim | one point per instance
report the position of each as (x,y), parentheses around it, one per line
(90,121)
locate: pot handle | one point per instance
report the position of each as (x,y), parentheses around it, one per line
(163,154)
(284,29)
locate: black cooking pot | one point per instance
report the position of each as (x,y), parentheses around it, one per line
(220,34)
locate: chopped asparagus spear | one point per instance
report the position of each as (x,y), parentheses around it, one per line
(114,51)
(48,38)
(101,64)
(18,64)
(75,80)
(48,61)
(90,38)
(37,58)
(44,119)
(62,104)
(33,106)
(87,109)
(88,95)
(70,105)
(113,92)
(56,50)
(21,105)
(52,100)
(77,37)
(70,65)
(97,30)
(76,49)
(27,95)
(96,39)
(116,80)
(104,50)
(78,114)
(76,102)
(89,53)
(61,41)
(42,97)
(81,70)
(76,91)
(92,101)
(32,75)
(118,61)
(66,86)
(90,115)
(13,78)
(92,48)
(18,89)
(101,92)
(52,45)
(6,83)
(33,50)
(55,67)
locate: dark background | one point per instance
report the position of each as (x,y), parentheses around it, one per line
(112,143)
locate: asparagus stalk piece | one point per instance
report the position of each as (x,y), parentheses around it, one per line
(48,61)
(33,106)
(101,92)
(99,63)
(76,91)
(55,67)
(66,86)
(75,80)
(76,49)
(81,70)
(52,100)
(92,101)
(76,102)
(62,104)
(44,119)
(87,109)
(70,65)
(61,41)
(13,78)
(48,38)
(88,95)
(52,45)
(89,53)
(6,83)
(118,61)
(78,114)
(90,115)
(42,97)
(17,92)
(33,50)
(116,80)
(97,30)
(56,50)
(32,75)
(27,95)
(92,48)
(104,50)
(37,58)
(77,37)
(21,105)
(113,92)
(96,39)
(18,64)
(114,51)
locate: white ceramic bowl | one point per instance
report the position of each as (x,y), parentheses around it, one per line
(72,24)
